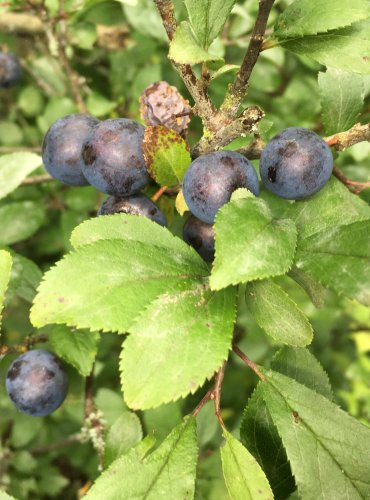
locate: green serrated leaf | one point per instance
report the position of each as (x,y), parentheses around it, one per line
(168,472)
(14,168)
(333,206)
(302,366)
(176,344)
(128,228)
(260,247)
(105,285)
(345,49)
(328,450)
(166,155)
(20,220)
(244,478)
(185,48)
(312,287)
(123,435)
(342,98)
(226,68)
(277,314)
(207,18)
(309,17)
(339,258)
(79,348)
(5,269)
(260,436)
(24,278)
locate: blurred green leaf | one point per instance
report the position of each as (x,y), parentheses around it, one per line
(124,434)
(20,220)
(15,167)
(342,99)
(5,268)
(79,348)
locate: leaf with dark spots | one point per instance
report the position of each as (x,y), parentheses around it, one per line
(166,155)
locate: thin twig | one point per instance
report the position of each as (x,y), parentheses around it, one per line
(343,140)
(37,179)
(75,438)
(248,362)
(73,78)
(237,90)
(203,104)
(214,394)
(354,186)
(23,346)
(159,193)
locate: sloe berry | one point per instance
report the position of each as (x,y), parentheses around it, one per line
(200,236)
(10,69)
(296,163)
(136,204)
(211,179)
(36,382)
(62,147)
(113,157)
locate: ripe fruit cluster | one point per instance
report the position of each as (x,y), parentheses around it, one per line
(80,150)
(37,383)
(10,69)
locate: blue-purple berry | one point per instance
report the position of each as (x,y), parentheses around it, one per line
(200,236)
(296,163)
(36,382)
(113,157)
(136,204)
(10,69)
(211,179)
(62,148)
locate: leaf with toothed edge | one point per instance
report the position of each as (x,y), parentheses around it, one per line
(168,472)
(250,243)
(166,155)
(178,343)
(339,258)
(277,314)
(328,449)
(5,269)
(106,284)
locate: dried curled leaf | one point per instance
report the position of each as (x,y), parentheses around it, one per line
(161,104)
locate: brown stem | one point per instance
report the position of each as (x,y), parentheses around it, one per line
(37,179)
(214,394)
(248,362)
(354,186)
(343,140)
(237,90)
(24,346)
(89,409)
(75,438)
(159,193)
(203,104)
(73,78)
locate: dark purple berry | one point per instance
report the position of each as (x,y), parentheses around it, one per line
(62,148)
(211,179)
(136,204)
(201,237)
(296,163)
(36,383)
(113,157)
(10,69)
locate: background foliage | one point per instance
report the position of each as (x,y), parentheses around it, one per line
(317,76)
